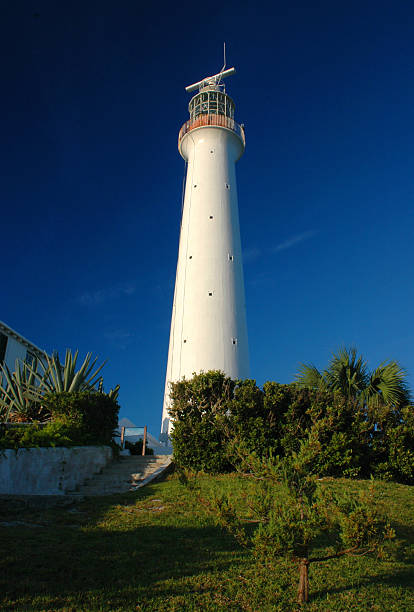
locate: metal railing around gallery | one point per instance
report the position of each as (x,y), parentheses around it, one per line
(213,120)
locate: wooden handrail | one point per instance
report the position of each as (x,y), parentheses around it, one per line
(144,438)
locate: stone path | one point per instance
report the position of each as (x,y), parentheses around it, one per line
(124,474)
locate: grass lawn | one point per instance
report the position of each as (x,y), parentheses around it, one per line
(157,550)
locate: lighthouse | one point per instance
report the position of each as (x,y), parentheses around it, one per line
(208,323)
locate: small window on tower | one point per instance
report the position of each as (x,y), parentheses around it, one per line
(234,340)
(227,186)
(191,257)
(184,341)
(231,257)
(195,186)
(211,216)
(210,293)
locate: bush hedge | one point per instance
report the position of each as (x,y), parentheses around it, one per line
(199,408)
(93,415)
(38,435)
(76,418)
(211,411)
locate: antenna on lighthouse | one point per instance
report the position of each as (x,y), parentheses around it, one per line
(224,66)
(214,80)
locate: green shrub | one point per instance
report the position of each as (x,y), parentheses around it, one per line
(57,433)
(287,410)
(200,446)
(77,418)
(398,450)
(200,406)
(249,419)
(211,413)
(92,414)
(10,437)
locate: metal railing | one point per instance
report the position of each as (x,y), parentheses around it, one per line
(214,120)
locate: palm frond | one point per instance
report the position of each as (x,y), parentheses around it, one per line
(310,377)
(347,373)
(388,385)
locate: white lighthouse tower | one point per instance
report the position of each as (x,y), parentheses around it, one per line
(208,324)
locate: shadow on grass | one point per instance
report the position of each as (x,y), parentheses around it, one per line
(398,578)
(58,562)
(121,552)
(404,543)
(402,552)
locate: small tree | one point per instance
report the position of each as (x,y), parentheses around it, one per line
(290,511)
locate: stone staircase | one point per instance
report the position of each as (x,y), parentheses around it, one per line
(123,474)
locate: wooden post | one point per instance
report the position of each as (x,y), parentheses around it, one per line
(144,442)
(122,436)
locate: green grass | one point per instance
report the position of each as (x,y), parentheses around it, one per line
(157,550)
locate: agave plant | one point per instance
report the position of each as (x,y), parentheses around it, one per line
(112,393)
(20,398)
(56,377)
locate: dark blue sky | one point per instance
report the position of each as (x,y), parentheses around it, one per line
(92,101)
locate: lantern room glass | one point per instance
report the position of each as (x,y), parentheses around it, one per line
(211,102)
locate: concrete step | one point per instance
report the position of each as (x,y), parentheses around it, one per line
(141,457)
(124,474)
(119,467)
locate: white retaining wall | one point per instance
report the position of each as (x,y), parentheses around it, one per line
(49,471)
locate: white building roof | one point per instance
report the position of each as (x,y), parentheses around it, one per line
(21,339)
